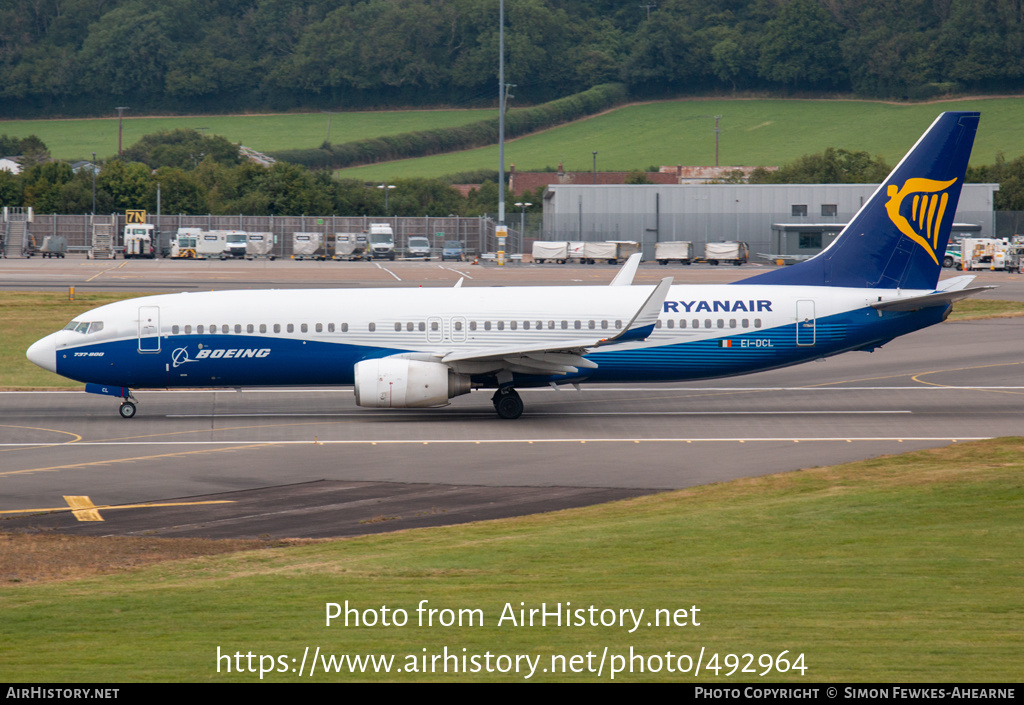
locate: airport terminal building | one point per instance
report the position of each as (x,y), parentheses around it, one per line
(799,219)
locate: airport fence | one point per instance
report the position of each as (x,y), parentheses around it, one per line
(473,232)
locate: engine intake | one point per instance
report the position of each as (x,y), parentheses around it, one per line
(398,383)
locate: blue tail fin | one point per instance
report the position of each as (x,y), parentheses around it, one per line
(898,238)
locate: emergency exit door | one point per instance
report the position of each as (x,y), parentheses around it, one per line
(149,329)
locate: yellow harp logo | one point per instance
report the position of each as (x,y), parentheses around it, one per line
(926,208)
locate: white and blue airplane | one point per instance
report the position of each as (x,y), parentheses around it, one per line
(405,348)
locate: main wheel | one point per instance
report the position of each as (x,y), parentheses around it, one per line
(508,404)
(127,410)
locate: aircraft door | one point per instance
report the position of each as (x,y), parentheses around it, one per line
(458,329)
(435,329)
(805,323)
(149,329)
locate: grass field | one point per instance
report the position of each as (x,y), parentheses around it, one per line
(77,139)
(901,569)
(754,132)
(28,316)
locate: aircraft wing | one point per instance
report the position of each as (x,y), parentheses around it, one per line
(559,357)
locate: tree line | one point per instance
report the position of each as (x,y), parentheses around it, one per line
(86,56)
(197,174)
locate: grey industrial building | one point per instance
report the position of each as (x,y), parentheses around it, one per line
(798,219)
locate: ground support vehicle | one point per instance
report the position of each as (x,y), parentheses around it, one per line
(308,246)
(678,251)
(736,253)
(594,251)
(381,242)
(211,244)
(260,246)
(235,243)
(987,253)
(550,251)
(349,246)
(138,241)
(185,243)
(953,256)
(53,246)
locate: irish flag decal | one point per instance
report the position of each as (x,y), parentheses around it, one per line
(725,343)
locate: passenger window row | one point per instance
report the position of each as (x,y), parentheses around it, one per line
(708,323)
(409,326)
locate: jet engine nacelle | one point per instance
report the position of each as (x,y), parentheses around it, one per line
(395,383)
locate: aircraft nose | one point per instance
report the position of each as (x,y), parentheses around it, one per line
(44,353)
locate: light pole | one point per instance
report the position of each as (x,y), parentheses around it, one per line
(595,167)
(501,113)
(120,113)
(94,183)
(522,223)
(387,188)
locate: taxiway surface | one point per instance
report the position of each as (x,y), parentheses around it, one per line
(310,463)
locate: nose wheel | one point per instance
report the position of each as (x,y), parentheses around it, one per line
(507,403)
(128,406)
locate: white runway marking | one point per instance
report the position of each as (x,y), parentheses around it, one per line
(458,272)
(586,389)
(388,271)
(391,414)
(528,441)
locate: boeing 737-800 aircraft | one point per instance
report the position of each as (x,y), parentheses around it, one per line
(419,348)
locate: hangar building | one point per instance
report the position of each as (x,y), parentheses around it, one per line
(798,219)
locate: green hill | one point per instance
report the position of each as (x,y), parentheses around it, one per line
(754,132)
(77,139)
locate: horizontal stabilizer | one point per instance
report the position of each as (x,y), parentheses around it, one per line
(955,283)
(941,298)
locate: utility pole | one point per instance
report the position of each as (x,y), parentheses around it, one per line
(718,132)
(120,113)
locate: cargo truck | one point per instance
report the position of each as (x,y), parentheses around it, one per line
(138,240)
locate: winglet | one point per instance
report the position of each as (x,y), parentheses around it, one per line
(642,323)
(625,275)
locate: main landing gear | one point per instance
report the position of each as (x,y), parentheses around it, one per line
(507,403)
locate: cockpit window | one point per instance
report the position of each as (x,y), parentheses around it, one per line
(85,327)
